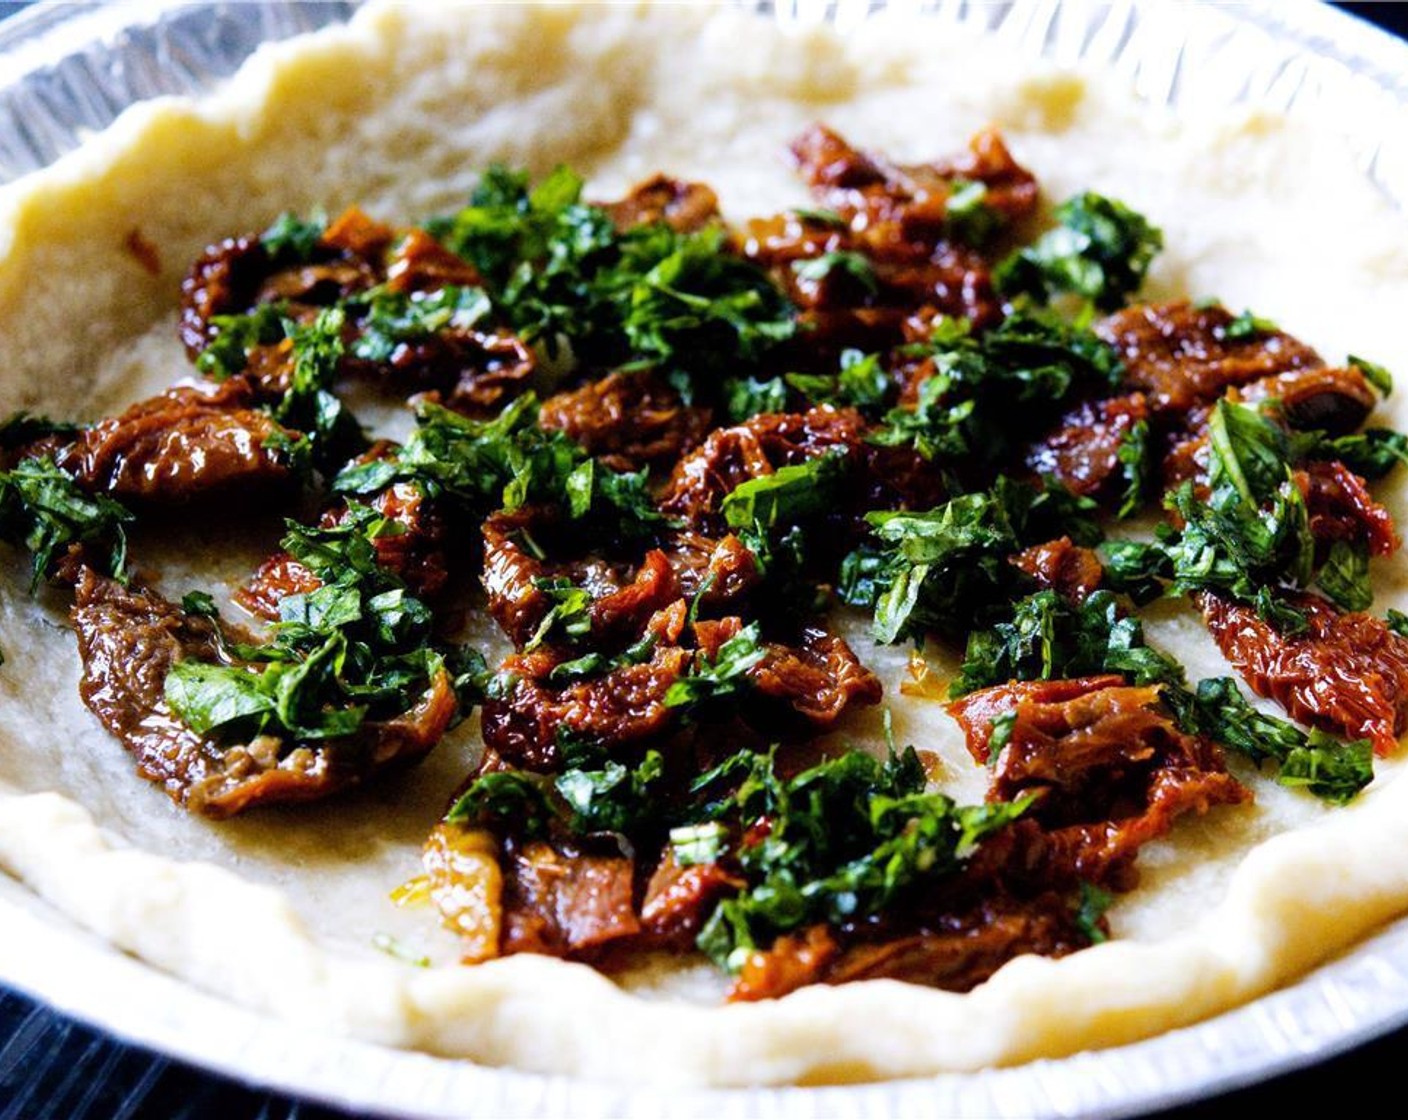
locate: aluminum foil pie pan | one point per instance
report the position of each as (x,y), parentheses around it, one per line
(68,70)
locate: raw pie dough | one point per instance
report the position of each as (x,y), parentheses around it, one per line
(399,111)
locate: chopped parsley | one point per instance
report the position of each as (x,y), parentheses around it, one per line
(592,795)
(947,570)
(840,266)
(1373,453)
(1138,467)
(43,510)
(1319,763)
(1046,638)
(1249,537)
(843,840)
(227,353)
(837,842)
(1375,374)
(478,466)
(788,494)
(1099,251)
(21,428)
(988,395)
(392,319)
(745,397)
(309,405)
(558,270)
(1090,912)
(967,213)
(716,678)
(1247,325)
(294,240)
(358,647)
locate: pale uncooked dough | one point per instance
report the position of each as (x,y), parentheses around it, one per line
(398,111)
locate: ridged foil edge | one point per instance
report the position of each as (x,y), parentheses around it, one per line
(71,68)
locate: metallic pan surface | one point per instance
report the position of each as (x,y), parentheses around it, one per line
(67,70)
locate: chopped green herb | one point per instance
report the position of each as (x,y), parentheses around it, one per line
(698,843)
(1138,465)
(843,840)
(477,466)
(854,268)
(1324,766)
(987,397)
(745,397)
(1373,453)
(1048,638)
(294,240)
(1100,251)
(558,269)
(1375,374)
(592,795)
(309,405)
(615,798)
(967,213)
(395,318)
(227,353)
(355,648)
(43,510)
(21,428)
(1091,909)
(200,604)
(1344,577)
(515,799)
(1000,734)
(208,697)
(1246,325)
(724,675)
(860,382)
(947,570)
(788,494)
(1252,533)
(820,217)
(570,613)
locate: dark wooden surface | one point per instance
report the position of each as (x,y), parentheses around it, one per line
(52,1068)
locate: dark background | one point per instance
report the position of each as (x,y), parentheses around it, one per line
(52,1068)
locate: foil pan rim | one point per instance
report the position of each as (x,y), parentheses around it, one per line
(1311,58)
